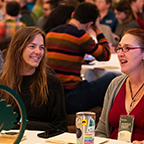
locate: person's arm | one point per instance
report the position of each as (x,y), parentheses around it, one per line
(101,129)
(104,129)
(38,125)
(100,50)
(96,27)
(57,106)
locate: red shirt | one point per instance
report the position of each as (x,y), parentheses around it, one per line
(118,109)
(140,21)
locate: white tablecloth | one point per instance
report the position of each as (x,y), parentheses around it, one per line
(31,138)
(98,69)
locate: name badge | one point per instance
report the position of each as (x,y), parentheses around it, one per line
(125,127)
(108,21)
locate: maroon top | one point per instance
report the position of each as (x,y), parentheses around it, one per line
(140,21)
(118,109)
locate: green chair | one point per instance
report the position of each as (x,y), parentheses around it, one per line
(8,117)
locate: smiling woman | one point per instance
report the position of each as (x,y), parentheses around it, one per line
(125,95)
(25,72)
(33,54)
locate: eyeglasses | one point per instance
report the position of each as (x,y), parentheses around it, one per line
(126,48)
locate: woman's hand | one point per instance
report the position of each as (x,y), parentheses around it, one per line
(138,142)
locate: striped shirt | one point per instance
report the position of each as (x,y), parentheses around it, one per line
(9,27)
(67,46)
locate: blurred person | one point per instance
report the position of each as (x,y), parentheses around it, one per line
(137,6)
(37,10)
(60,15)
(125,94)
(106,31)
(3,9)
(67,44)
(4,3)
(10,25)
(47,9)
(106,17)
(2,15)
(25,71)
(25,14)
(30,4)
(125,17)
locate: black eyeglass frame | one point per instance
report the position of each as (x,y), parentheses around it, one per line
(127,48)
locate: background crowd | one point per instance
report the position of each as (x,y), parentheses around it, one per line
(48,40)
(116,14)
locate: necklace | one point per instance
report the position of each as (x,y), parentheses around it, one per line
(133,97)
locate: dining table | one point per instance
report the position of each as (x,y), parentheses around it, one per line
(64,138)
(96,69)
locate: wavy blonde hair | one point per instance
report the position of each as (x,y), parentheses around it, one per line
(14,62)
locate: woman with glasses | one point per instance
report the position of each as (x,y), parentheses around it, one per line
(125,94)
(25,72)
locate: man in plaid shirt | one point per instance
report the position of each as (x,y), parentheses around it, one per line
(10,25)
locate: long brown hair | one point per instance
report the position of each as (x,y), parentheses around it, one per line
(124,6)
(14,62)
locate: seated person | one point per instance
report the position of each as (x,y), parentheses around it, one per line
(25,14)
(48,7)
(63,14)
(38,7)
(137,6)
(10,26)
(106,17)
(30,4)
(125,17)
(37,10)
(67,44)
(125,94)
(25,72)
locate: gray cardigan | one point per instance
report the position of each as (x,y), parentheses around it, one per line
(104,129)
